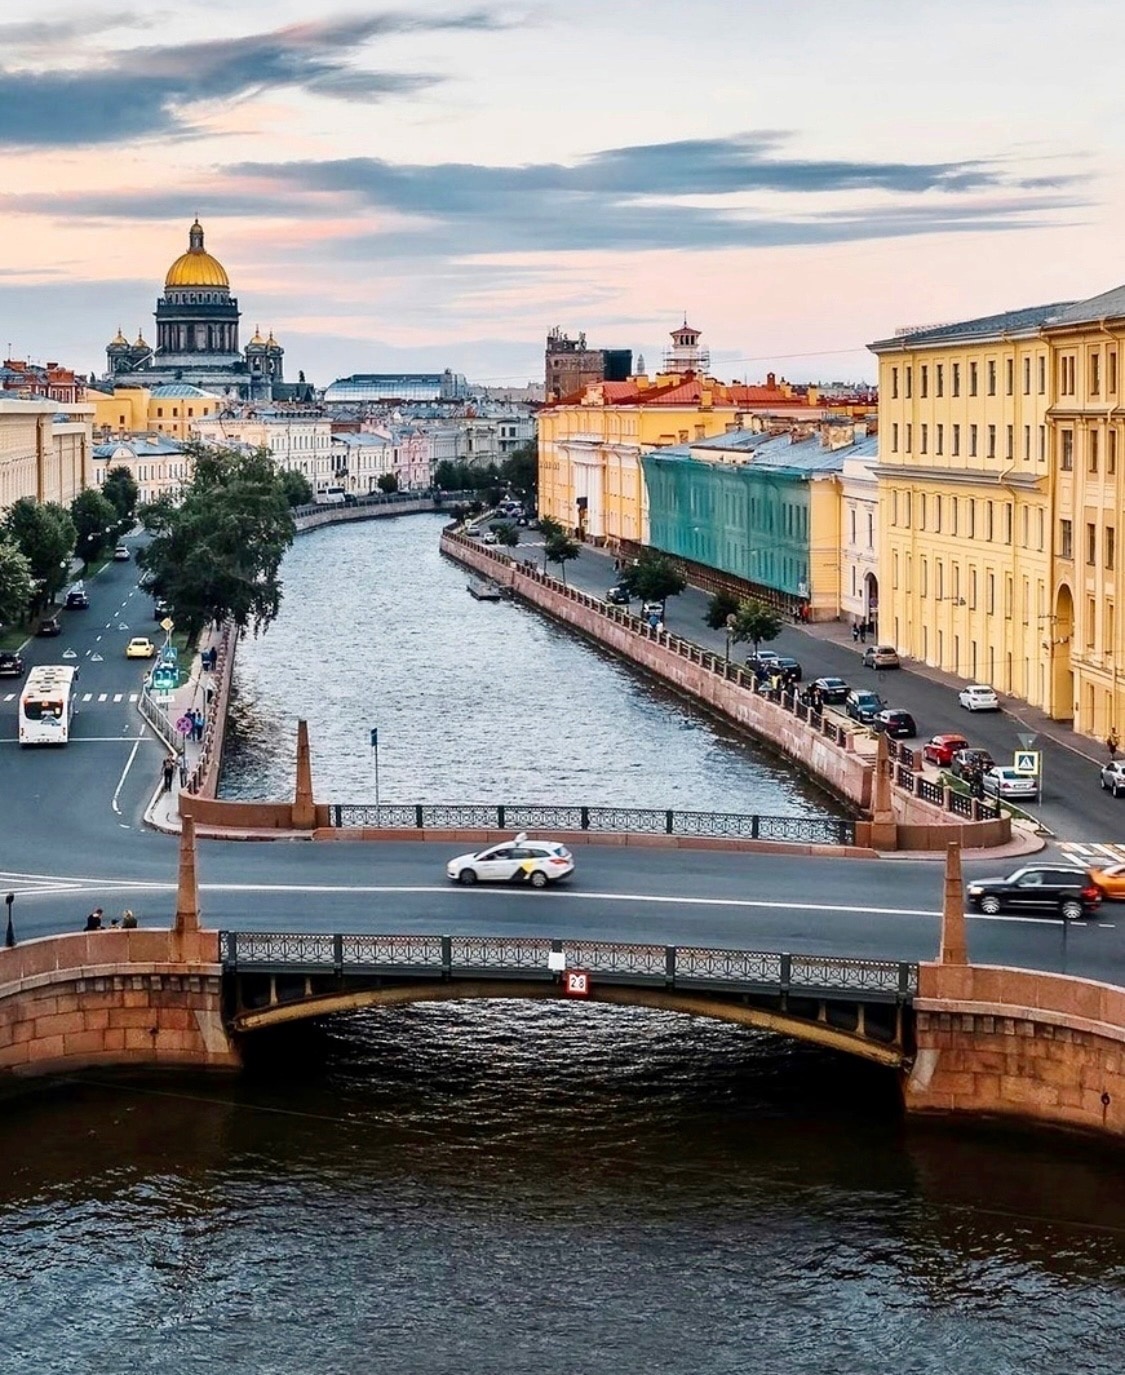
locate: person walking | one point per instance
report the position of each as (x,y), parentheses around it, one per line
(181,761)
(168,769)
(855,632)
(1112,743)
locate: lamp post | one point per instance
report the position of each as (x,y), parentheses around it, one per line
(729,627)
(10,935)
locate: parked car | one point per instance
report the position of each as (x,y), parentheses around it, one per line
(652,609)
(863,706)
(967,761)
(48,626)
(11,664)
(121,554)
(472,532)
(77,598)
(1072,893)
(1112,777)
(940,749)
(881,656)
(897,724)
(140,647)
(520,860)
(490,537)
(832,691)
(1006,782)
(978,697)
(789,668)
(618,596)
(160,609)
(764,659)
(1111,881)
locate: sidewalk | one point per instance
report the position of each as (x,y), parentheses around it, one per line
(163,812)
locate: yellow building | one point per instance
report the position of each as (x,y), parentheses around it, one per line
(172,408)
(45,450)
(965,499)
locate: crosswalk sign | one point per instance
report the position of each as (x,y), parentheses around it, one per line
(1026,762)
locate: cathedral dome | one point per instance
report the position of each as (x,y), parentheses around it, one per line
(196,267)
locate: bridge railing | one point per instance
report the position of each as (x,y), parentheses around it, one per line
(715,970)
(523,816)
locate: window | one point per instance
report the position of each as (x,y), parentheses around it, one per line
(956,441)
(924,580)
(972,379)
(1026,527)
(894,569)
(937,514)
(1095,373)
(894,438)
(992,377)
(1007,522)
(1111,451)
(1027,377)
(159,411)
(1110,543)
(871,530)
(971,507)
(1091,543)
(1042,444)
(972,441)
(1091,621)
(894,384)
(956,378)
(852,514)
(1042,529)
(952,515)
(906,499)
(909,379)
(1009,442)
(1009,376)
(988,522)
(1092,452)
(972,589)
(925,380)
(939,378)
(894,506)
(1066,458)
(1066,540)
(939,439)
(1111,371)
(1042,388)
(909,437)
(992,441)
(939,581)
(925,438)
(1027,443)
(1066,375)
(990,589)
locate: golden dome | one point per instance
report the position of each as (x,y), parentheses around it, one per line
(196,267)
(120,338)
(140,344)
(257,339)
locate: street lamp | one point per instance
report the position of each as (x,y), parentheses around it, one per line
(730,626)
(10,935)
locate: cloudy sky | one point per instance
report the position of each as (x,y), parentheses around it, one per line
(438,186)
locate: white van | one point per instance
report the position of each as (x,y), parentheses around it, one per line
(330,496)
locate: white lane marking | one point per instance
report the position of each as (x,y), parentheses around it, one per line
(97,638)
(108,624)
(125,775)
(1073,845)
(11,697)
(133,696)
(117,696)
(102,696)
(87,696)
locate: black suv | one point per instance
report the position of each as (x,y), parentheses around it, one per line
(1070,893)
(11,664)
(77,599)
(863,706)
(832,691)
(898,724)
(618,596)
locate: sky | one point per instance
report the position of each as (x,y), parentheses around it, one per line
(439,185)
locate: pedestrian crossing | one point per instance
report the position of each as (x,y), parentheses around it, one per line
(1092,852)
(91,696)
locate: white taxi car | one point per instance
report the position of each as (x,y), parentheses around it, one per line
(520,860)
(978,697)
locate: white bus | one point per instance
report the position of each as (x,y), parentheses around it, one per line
(47,705)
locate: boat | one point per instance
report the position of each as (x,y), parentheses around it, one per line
(483,590)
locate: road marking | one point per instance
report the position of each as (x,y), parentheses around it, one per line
(86,696)
(125,775)
(102,696)
(11,697)
(123,739)
(117,696)
(133,696)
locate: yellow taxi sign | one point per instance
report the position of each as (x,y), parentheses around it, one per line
(167,624)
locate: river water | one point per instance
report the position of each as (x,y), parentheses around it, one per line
(500,1188)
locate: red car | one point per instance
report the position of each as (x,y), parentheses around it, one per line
(940,749)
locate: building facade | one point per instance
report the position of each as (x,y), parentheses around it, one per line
(859,537)
(44,453)
(298,438)
(158,463)
(570,366)
(34,381)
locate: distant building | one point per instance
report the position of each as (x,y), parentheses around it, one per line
(157,462)
(45,453)
(571,366)
(296,437)
(383,388)
(35,381)
(171,408)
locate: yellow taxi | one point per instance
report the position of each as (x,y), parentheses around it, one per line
(140,647)
(1111,880)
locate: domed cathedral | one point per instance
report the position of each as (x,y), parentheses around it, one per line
(197,336)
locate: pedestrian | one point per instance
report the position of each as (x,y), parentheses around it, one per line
(855,632)
(197,726)
(863,632)
(182,763)
(94,920)
(168,769)
(209,695)
(214,653)
(128,919)
(1111,743)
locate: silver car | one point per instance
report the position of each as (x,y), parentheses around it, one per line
(1005,782)
(1113,777)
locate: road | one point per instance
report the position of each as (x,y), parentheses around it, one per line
(1074,807)
(71,838)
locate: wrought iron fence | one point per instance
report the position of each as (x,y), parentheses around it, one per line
(530,957)
(525,816)
(929,791)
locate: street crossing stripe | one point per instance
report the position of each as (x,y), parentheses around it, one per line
(1095,851)
(117,696)
(86,696)
(102,696)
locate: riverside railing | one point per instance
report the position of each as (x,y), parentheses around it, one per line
(529,816)
(707,969)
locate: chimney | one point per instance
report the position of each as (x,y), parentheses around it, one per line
(771,380)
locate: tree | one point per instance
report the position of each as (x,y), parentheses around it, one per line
(520,470)
(388,483)
(561,549)
(216,554)
(754,621)
(16,585)
(507,534)
(45,535)
(121,491)
(550,529)
(721,605)
(298,489)
(95,523)
(654,578)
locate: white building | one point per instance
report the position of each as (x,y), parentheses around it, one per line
(297,439)
(859,539)
(157,461)
(360,460)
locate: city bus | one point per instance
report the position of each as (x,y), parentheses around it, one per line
(47,705)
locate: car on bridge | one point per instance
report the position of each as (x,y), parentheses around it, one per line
(618,596)
(831,691)
(77,599)
(140,647)
(863,706)
(121,554)
(940,749)
(520,860)
(896,723)
(49,626)
(1068,892)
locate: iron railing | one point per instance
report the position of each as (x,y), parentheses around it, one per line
(523,816)
(529,957)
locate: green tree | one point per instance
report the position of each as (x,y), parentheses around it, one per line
(16,585)
(216,554)
(754,622)
(298,489)
(561,549)
(121,491)
(507,534)
(721,605)
(388,483)
(654,578)
(95,523)
(520,470)
(45,535)
(550,529)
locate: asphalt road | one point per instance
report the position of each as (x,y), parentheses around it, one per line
(71,838)
(1074,807)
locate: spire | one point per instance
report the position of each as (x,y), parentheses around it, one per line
(195,237)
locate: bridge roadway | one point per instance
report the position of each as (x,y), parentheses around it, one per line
(71,837)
